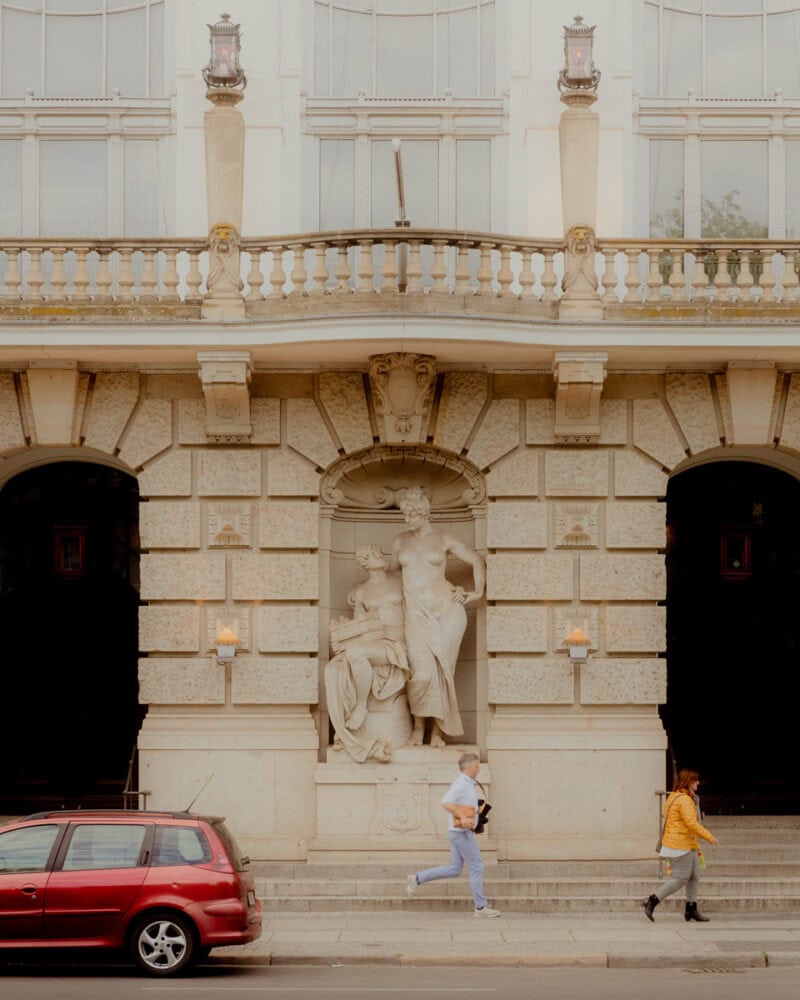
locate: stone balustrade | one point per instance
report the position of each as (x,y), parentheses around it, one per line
(75,277)
(418,270)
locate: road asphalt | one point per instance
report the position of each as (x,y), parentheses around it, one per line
(612,940)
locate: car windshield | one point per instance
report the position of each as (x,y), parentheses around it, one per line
(239,861)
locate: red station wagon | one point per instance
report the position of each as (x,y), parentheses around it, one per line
(167,887)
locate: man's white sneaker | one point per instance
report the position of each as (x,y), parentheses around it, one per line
(487,911)
(411,884)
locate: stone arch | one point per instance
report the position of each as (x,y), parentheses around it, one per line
(733,560)
(359,497)
(69,582)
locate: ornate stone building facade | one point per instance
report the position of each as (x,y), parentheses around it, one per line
(541,391)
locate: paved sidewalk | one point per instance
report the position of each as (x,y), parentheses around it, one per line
(530,939)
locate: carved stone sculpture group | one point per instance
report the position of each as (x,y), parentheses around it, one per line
(395,659)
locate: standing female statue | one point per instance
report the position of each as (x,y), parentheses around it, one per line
(435,619)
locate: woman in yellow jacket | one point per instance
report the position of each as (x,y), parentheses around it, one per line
(679,845)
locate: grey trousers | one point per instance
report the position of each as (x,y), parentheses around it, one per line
(685,871)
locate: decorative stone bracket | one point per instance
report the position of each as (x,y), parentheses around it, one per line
(226,378)
(579,384)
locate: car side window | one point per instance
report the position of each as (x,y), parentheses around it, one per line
(180,845)
(27,849)
(97,845)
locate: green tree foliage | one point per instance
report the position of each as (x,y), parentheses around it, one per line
(721,220)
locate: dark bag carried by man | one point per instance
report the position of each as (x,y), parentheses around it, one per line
(483,811)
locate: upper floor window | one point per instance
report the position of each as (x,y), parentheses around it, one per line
(82,48)
(721,48)
(404,48)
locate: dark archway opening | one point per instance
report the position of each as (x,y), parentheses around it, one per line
(69,593)
(733,634)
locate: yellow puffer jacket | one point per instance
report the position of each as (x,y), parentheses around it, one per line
(683,827)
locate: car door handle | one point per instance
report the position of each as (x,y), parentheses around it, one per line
(30,889)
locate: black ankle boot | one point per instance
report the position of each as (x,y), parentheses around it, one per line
(692,913)
(650,904)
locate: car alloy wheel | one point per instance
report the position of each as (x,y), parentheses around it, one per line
(163,944)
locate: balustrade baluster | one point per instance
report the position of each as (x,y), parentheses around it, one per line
(767,279)
(699,276)
(319,273)
(655,280)
(722,280)
(462,268)
(342,271)
(255,279)
(527,279)
(13,281)
(58,279)
(277,277)
(35,277)
(299,275)
(676,278)
(485,273)
(609,279)
(103,280)
(171,278)
(81,279)
(148,281)
(790,278)
(745,282)
(414,270)
(194,278)
(549,277)
(390,269)
(364,272)
(439,269)
(125,280)
(633,281)
(505,276)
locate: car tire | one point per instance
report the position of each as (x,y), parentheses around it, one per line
(164,944)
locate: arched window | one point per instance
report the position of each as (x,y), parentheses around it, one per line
(82,116)
(82,48)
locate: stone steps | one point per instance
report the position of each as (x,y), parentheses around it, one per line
(523,890)
(516,904)
(756,869)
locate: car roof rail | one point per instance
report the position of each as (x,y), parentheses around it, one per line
(55,813)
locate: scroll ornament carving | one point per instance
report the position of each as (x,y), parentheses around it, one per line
(579,386)
(402,385)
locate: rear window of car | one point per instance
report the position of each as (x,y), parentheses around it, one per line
(99,845)
(238,860)
(180,845)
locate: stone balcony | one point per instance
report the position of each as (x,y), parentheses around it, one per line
(410,271)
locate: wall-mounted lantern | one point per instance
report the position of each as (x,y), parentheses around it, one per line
(226,642)
(578,643)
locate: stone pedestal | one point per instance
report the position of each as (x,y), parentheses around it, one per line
(259,767)
(389,812)
(576,785)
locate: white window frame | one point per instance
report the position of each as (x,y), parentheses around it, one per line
(695,121)
(364,118)
(109,120)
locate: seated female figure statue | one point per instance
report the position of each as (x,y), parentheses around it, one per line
(370,658)
(435,619)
